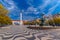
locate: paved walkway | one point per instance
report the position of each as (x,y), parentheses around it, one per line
(23,33)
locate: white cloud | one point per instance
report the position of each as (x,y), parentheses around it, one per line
(30,2)
(28,17)
(31,9)
(11,3)
(46,2)
(53,8)
(11,7)
(49,14)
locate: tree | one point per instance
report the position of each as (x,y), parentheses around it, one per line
(4,19)
(3,11)
(55,21)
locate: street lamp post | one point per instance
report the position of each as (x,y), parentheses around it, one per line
(42,20)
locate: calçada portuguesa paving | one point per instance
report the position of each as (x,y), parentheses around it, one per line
(16,32)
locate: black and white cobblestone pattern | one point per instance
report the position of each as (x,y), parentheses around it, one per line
(22,33)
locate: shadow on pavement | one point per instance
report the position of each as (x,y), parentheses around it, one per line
(43,28)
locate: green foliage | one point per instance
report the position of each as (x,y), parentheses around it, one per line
(34,22)
(4,19)
(3,11)
(54,21)
(57,20)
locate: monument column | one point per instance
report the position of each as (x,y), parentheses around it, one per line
(21,21)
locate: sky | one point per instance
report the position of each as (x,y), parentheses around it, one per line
(31,9)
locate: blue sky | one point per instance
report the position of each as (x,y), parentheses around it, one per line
(32,9)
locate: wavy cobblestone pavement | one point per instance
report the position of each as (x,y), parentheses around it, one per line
(23,33)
